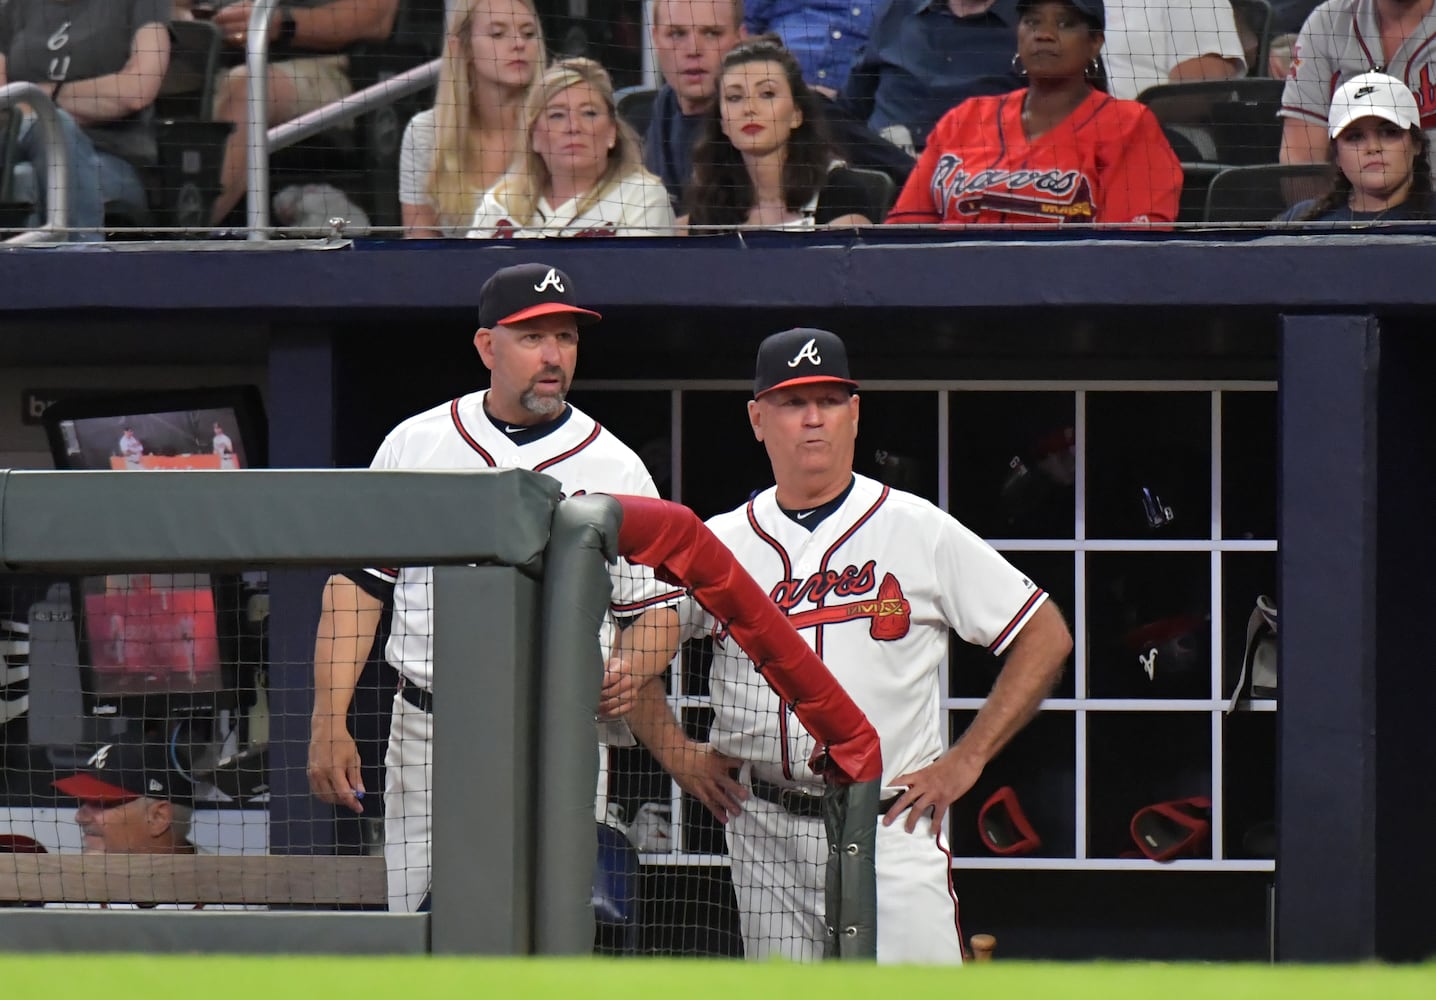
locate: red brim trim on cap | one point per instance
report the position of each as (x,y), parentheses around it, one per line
(14,843)
(807,380)
(549,309)
(85,786)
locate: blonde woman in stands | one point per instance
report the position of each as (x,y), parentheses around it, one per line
(458,149)
(582,174)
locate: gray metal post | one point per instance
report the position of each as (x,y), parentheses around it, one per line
(577,589)
(485,654)
(256,61)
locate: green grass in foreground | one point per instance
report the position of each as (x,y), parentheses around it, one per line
(279,978)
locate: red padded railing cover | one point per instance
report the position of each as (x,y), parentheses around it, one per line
(682,551)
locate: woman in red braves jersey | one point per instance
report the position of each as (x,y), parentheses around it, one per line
(1059,151)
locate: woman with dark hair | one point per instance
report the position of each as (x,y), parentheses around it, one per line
(764,158)
(1380,167)
(1059,151)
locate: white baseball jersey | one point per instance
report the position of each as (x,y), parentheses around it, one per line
(1342,39)
(459,435)
(874,589)
(1146,38)
(638,205)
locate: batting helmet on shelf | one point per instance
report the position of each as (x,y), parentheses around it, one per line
(1171,653)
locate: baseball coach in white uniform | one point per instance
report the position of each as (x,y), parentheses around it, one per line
(874,579)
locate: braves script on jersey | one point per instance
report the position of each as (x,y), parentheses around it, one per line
(459,435)
(1342,39)
(1105,162)
(874,589)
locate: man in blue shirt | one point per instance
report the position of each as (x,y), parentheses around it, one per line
(826,36)
(690,38)
(925,57)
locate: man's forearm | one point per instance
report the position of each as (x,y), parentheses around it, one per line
(1033,667)
(650,643)
(342,23)
(347,622)
(654,725)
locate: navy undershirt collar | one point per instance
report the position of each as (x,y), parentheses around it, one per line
(527,434)
(811,517)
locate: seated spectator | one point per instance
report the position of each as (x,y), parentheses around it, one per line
(690,39)
(1378,151)
(764,158)
(825,36)
(582,174)
(927,56)
(1346,38)
(1150,42)
(1060,151)
(131,800)
(459,148)
(308,69)
(101,61)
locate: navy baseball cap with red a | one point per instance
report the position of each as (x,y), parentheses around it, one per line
(799,357)
(525,291)
(129,768)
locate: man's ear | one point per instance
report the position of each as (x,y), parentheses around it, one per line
(160,818)
(484,344)
(755,419)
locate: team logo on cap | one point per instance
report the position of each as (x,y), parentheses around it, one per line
(550,280)
(100,757)
(809,352)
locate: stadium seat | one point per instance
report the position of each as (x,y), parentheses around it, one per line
(1257,17)
(881,191)
(1261,193)
(362,159)
(1232,122)
(616,906)
(635,106)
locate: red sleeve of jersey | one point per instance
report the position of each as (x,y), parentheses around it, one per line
(1141,178)
(915,205)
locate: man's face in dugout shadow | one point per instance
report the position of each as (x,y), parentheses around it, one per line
(690,38)
(135,826)
(531,366)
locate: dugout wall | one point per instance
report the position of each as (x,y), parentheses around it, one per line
(357,337)
(528,895)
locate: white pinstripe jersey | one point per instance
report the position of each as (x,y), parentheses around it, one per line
(458,435)
(874,589)
(1342,39)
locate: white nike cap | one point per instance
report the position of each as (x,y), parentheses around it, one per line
(1372,95)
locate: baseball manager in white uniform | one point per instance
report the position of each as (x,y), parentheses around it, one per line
(873,578)
(528,339)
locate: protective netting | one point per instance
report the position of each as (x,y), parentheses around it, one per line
(509,119)
(136,721)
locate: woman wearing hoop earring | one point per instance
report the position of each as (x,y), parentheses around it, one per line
(1059,152)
